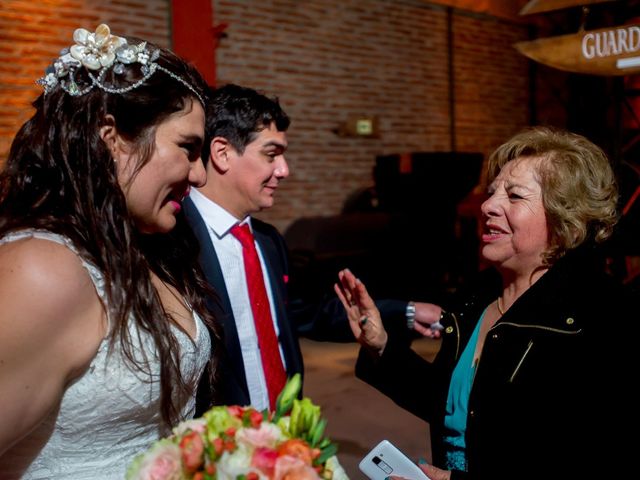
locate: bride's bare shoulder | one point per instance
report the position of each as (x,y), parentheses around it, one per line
(49,300)
(43,272)
(51,324)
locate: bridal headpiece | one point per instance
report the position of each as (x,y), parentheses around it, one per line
(99,52)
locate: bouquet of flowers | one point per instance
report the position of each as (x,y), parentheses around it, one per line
(240,443)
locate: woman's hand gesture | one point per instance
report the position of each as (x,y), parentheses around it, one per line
(364,317)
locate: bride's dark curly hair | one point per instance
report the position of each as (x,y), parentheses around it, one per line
(61,177)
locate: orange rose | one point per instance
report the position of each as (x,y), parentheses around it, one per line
(297,448)
(191,451)
(218,446)
(255,419)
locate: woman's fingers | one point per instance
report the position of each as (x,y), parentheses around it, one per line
(426,332)
(363,297)
(341,296)
(353,312)
(347,285)
(348,282)
(364,317)
(435,473)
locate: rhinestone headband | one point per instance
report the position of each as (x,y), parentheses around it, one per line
(100,52)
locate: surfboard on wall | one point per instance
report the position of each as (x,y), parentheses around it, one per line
(606,51)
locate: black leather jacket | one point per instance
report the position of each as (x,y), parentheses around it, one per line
(547,395)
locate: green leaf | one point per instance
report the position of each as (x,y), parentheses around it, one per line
(327,452)
(316,432)
(295,419)
(324,443)
(288,394)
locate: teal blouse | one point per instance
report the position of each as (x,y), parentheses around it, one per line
(455,421)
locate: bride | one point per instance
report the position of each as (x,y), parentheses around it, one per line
(103,333)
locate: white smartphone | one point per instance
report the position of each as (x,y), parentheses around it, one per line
(386,459)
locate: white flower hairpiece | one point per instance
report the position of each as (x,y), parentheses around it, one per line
(99,52)
(95,50)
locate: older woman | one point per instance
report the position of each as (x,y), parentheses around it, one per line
(524,385)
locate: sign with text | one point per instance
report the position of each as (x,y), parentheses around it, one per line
(607,51)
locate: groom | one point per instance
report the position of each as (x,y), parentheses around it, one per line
(244,153)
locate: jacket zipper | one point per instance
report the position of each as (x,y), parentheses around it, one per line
(524,355)
(455,320)
(548,329)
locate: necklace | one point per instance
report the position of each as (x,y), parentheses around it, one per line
(499,307)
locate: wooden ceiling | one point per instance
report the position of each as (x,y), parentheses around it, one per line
(511,9)
(499,8)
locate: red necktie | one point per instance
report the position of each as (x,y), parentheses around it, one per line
(274,372)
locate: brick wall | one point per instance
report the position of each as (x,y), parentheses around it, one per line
(491,82)
(329,59)
(326,60)
(33,33)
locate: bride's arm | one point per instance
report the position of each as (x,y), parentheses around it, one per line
(51,324)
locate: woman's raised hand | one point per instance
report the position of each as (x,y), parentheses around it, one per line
(364,317)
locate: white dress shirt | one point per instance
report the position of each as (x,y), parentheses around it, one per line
(229,250)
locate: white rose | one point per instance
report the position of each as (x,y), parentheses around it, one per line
(233,464)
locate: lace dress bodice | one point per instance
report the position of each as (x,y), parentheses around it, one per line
(111,412)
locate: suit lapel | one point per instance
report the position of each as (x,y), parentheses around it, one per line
(221,307)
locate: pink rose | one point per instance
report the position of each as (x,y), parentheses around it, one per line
(264,459)
(267,435)
(292,468)
(162,462)
(235,411)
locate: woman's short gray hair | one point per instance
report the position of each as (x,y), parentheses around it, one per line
(579,190)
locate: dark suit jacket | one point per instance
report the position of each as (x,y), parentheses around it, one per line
(323,321)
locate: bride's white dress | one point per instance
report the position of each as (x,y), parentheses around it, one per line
(109,414)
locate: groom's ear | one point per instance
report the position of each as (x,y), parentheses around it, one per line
(219,157)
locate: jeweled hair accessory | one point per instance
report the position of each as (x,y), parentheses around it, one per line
(98,53)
